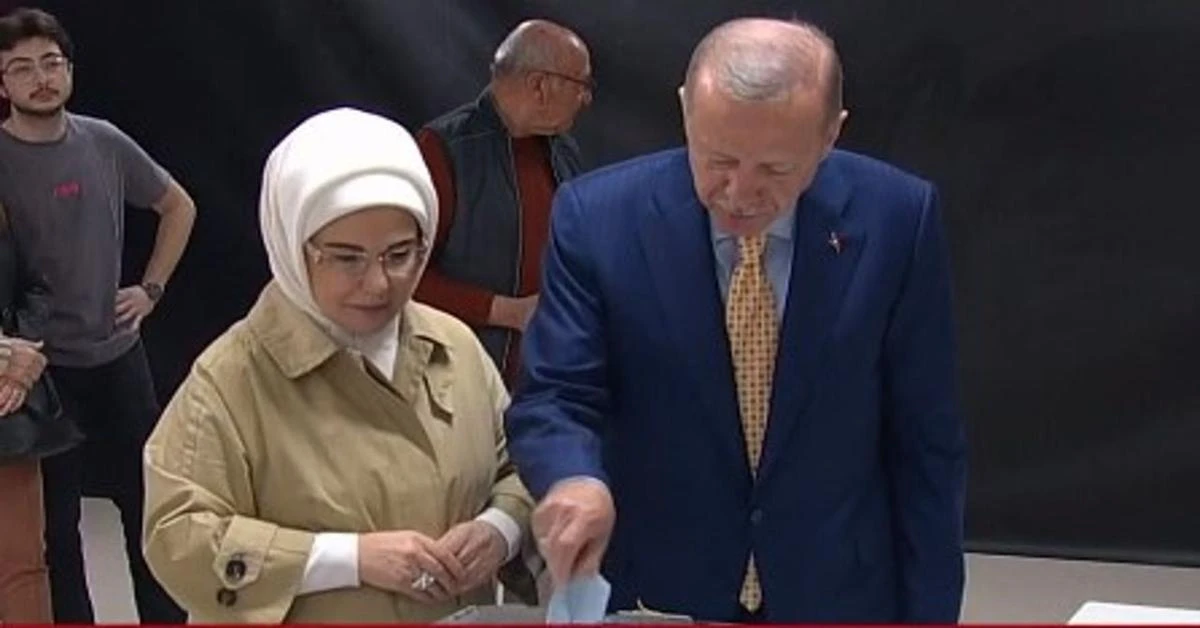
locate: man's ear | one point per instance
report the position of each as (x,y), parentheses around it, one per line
(835,130)
(537,83)
(683,108)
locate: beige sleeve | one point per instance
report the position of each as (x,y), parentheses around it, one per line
(202,539)
(508,493)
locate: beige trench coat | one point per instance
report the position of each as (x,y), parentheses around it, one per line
(277,434)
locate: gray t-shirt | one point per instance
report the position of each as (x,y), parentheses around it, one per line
(66,202)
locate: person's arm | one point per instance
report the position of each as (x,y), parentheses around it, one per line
(177,214)
(925,447)
(201,532)
(510,504)
(555,419)
(149,186)
(332,564)
(471,304)
(31,294)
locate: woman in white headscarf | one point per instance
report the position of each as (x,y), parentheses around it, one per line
(338,455)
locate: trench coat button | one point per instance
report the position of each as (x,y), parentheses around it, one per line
(235,569)
(227,597)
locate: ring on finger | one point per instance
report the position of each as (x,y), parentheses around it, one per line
(423,581)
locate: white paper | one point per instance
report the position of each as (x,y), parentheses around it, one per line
(583,600)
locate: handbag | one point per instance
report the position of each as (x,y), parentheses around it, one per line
(38,429)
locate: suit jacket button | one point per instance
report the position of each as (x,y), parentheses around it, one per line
(756,516)
(235,569)
(227,597)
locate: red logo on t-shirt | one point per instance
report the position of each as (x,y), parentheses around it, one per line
(70,189)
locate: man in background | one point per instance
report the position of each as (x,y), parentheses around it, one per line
(65,179)
(496,163)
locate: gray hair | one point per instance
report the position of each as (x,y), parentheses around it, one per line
(533,45)
(766,60)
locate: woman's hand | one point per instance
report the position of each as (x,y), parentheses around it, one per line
(409,563)
(22,364)
(12,397)
(25,361)
(480,548)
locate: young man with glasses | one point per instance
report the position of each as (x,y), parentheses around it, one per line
(66,179)
(496,163)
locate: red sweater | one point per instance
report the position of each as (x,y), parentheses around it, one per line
(535,181)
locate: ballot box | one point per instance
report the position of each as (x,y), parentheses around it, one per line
(519,614)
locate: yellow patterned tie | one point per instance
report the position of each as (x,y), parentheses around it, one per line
(753,337)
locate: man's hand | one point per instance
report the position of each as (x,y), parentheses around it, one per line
(133,305)
(513,313)
(572,526)
(481,549)
(397,561)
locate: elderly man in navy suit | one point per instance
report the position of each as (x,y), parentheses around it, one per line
(739,399)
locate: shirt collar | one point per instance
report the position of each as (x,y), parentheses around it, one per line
(298,344)
(780,229)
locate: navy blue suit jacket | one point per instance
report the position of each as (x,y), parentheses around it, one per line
(856,512)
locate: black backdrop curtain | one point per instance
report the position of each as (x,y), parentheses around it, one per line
(1064,136)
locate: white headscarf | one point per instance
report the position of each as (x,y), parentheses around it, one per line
(334,164)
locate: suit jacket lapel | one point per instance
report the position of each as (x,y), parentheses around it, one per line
(678,247)
(827,250)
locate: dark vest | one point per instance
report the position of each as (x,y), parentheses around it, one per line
(483,247)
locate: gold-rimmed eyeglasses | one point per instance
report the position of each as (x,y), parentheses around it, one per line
(25,70)
(397,262)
